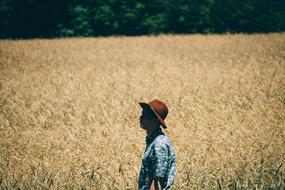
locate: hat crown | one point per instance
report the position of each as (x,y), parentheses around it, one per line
(159,107)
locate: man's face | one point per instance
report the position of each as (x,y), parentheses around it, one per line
(147,119)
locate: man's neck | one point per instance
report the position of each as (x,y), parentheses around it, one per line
(151,131)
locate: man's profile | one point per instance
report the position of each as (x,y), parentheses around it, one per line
(158,167)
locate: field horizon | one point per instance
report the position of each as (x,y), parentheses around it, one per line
(69,112)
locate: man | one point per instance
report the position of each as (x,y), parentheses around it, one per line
(158,167)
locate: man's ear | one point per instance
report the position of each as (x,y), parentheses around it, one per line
(157,122)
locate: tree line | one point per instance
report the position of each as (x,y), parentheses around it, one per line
(57,18)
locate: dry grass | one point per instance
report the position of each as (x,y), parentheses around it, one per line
(69,110)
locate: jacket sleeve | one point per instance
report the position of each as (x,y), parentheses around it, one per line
(161,158)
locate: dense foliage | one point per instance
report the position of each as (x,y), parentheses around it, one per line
(41,18)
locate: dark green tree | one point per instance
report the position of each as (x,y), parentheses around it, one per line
(41,18)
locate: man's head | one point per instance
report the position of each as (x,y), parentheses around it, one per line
(153,114)
(148,119)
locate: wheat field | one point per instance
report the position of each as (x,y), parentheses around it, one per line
(69,110)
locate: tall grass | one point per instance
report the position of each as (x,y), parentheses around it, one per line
(69,110)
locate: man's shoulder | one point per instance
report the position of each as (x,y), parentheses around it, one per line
(161,140)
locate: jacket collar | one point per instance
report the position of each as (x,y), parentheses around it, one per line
(150,138)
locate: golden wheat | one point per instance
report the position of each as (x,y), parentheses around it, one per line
(69,110)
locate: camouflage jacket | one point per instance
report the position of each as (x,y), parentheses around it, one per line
(159,160)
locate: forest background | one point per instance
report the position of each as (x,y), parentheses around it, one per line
(64,18)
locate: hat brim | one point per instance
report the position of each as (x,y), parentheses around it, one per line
(145,105)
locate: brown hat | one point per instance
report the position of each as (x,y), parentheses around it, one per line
(158,108)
